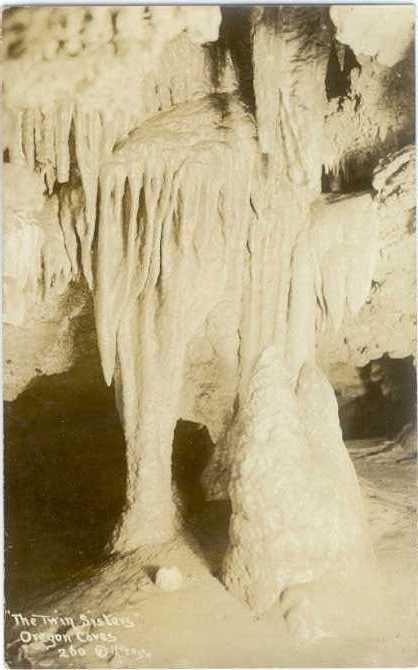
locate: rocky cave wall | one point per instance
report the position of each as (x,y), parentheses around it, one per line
(205,213)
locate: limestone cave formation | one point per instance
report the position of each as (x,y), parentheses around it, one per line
(210,331)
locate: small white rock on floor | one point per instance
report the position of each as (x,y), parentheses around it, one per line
(169,579)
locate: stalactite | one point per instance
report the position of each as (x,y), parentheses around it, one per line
(114,265)
(267,68)
(70,211)
(42,139)
(16,147)
(62,135)
(89,108)
(153,195)
(29,137)
(287,64)
(88,139)
(56,263)
(48,156)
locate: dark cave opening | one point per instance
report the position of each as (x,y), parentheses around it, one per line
(353,178)
(65,472)
(388,403)
(65,480)
(192,449)
(206,523)
(341,62)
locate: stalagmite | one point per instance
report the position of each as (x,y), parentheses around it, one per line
(297,514)
(319,410)
(263,556)
(338,521)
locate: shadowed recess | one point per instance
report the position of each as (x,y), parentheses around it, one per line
(65,475)
(388,403)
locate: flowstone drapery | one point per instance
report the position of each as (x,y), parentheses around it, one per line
(172,224)
(180,180)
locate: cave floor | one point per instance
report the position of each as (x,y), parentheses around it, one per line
(202,625)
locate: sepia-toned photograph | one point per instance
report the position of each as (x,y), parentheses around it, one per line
(209,336)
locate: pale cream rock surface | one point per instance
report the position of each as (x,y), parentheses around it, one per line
(169,579)
(297,511)
(386,323)
(386,36)
(39,302)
